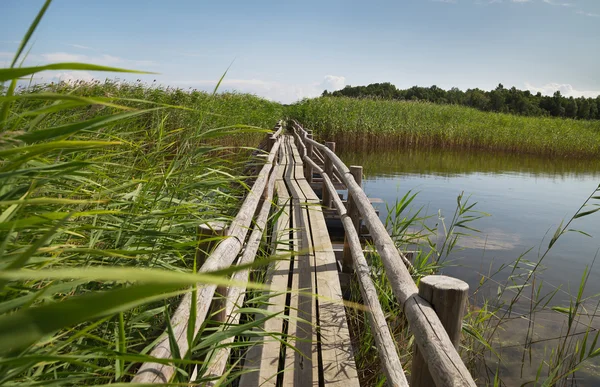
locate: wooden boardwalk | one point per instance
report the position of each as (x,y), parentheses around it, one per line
(317,326)
(304,339)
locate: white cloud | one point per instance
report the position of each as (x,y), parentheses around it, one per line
(333,82)
(275,91)
(74,76)
(565,89)
(520,1)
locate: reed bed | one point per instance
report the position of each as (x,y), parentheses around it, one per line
(102,188)
(363,124)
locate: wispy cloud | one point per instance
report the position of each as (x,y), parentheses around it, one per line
(590,14)
(445,1)
(520,1)
(276,91)
(552,2)
(78,46)
(564,88)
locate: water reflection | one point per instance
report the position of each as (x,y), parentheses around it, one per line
(528,197)
(455,162)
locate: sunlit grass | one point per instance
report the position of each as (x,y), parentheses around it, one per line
(369,123)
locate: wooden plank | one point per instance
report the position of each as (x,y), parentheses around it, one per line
(305,358)
(384,341)
(307,191)
(339,368)
(263,357)
(337,358)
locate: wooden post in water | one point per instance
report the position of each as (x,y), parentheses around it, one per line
(308,170)
(329,171)
(448,297)
(211,230)
(356,172)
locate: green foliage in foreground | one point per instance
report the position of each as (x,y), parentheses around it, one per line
(93,210)
(101,194)
(356,122)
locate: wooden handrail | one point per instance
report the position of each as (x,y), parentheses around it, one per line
(444,362)
(222,257)
(278,129)
(383,337)
(235,295)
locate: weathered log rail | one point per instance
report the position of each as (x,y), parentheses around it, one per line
(434,345)
(222,257)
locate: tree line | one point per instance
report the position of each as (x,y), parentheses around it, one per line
(501,99)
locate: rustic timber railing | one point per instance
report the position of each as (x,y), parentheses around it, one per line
(435,353)
(322,355)
(222,257)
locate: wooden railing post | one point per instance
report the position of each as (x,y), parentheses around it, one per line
(272,140)
(329,171)
(206,231)
(308,170)
(448,297)
(356,171)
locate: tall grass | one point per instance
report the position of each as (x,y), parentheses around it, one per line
(187,109)
(368,123)
(102,187)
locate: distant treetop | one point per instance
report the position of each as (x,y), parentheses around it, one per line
(503,100)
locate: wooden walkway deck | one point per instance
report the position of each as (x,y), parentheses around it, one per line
(304,340)
(317,326)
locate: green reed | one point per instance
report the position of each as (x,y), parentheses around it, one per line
(368,123)
(102,188)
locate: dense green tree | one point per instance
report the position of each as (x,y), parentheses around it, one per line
(571,108)
(594,110)
(583,111)
(500,99)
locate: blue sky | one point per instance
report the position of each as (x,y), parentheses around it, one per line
(288,50)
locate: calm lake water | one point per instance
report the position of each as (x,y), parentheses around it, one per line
(527,198)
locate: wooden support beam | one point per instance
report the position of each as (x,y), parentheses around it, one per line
(308,171)
(356,172)
(209,234)
(448,297)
